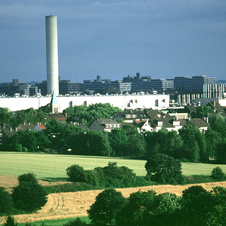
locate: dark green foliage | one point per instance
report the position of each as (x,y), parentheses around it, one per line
(83,114)
(91,143)
(70,187)
(220,153)
(18,147)
(106,207)
(54,131)
(167,202)
(138,204)
(76,173)
(217,173)
(164,169)
(76,222)
(6,202)
(91,177)
(29,177)
(196,202)
(118,176)
(10,221)
(28,195)
(203,111)
(108,176)
(163,142)
(213,138)
(194,179)
(118,140)
(191,144)
(218,123)
(136,145)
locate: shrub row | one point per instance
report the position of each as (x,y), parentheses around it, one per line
(108,176)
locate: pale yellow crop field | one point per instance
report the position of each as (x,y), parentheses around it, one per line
(53,166)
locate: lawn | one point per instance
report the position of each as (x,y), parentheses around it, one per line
(53,166)
(56,222)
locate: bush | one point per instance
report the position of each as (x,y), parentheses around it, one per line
(217,173)
(30,177)
(29,196)
(72,187)
(76,173)
(6,202)
(10,222)
(76,222)
(90,177)
(118,176)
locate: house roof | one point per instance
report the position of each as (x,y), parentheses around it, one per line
(197,122)
(107,121)
(152,114)
(29,126)
(58,116)
(132,114)
(8,133)
(217,107)
(41,126)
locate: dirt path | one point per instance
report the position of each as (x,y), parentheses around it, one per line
(75,204)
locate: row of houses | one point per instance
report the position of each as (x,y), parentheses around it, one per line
(148,120)
(144,120)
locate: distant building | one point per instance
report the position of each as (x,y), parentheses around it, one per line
(192,84)
(23,89)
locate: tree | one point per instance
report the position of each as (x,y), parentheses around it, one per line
(6,203)
(217,123)
(118,140)
(91,143)
(190,146)
(106,207)
(196,203)
(83,114)
(136,145)
(163,142)
(5,116)
(164,169)
(213,138)
(203,111)
(54,131)
(29,195)
(220,152)
(167,202)
(138,204)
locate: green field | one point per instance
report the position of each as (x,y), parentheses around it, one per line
(56,222)
(53,167)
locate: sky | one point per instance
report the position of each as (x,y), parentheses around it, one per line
(114,39)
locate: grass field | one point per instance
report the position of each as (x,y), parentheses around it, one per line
(53,167)
(56,222)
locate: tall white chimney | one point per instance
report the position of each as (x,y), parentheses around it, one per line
(52,55)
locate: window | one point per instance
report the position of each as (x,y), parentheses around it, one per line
(156,102)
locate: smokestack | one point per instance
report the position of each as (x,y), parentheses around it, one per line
(52,55)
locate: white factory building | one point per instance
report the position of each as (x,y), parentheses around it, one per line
(123,101)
